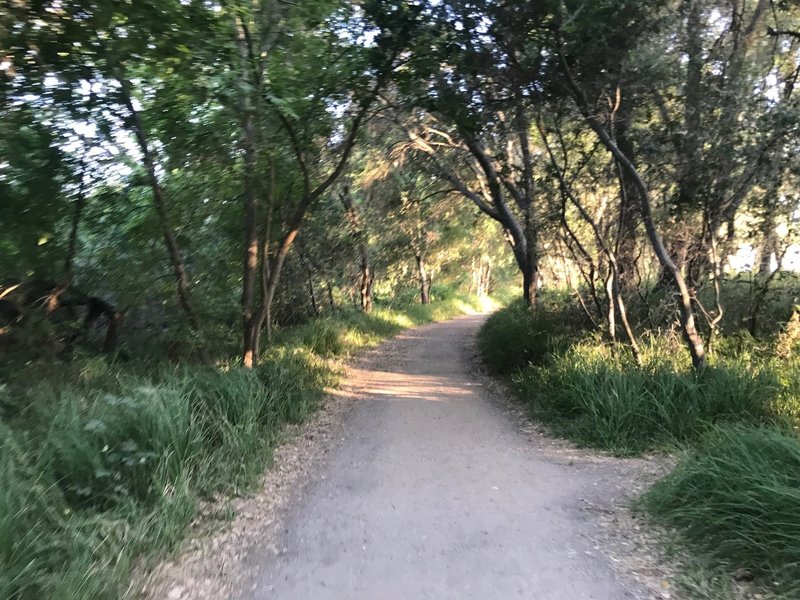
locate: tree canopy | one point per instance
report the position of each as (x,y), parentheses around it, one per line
(193,162)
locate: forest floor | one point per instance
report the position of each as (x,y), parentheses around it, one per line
(419,479)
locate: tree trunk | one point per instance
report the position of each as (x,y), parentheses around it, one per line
(625,250)
(688,327)
(251,247)
(72,245)
(264,310)
(312,294)
(249,90)
(272,269)
(424,280)
(366,285)
(54,297)
(528,261)
(481,276)
(273,275)
(159,202)
(769,245)
(616,305)
(329,289)
(612,306)
(530,284)
(691,336)
(359,237)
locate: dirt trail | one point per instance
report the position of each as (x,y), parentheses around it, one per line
(419,479)
(436,492)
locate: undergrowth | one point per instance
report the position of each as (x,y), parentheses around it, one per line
(595,392)
(103,463)
(736,500)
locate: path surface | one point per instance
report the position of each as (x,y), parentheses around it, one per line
(436,492)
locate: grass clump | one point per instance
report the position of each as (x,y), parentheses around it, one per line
(512,338)
(597,394)
(108,477)
(602,398)
(736,500)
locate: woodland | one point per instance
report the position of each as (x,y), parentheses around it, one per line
(205,204)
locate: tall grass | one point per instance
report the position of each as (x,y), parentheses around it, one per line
(512,339)
(602,398)
(108,477)
(598,395)
(103,464)
(736,499)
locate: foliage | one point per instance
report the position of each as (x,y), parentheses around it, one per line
(605,399)
(511,339)
(158,146)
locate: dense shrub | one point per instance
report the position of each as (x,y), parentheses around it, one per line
(512,339)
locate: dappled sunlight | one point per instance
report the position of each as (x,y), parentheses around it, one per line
(375,384)
(392,318)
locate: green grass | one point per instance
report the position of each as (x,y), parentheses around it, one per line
(511,338)
(107,477)
(349,331)
(102,463)
(597,394)
(600,397)
(736,500)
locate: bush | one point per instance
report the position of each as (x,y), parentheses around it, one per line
(512,338)
(736,499)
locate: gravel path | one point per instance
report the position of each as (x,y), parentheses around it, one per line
(437,489)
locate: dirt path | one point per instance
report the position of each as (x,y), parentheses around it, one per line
(437,494)
(436,488)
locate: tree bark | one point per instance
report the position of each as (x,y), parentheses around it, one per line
(312,294)
(530,284)
(360,239)
(625,247)
(691,336)
(249,90)
(254,38)
(616,305)
(424,279)
(72,245)
(160,204)
(53,299)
